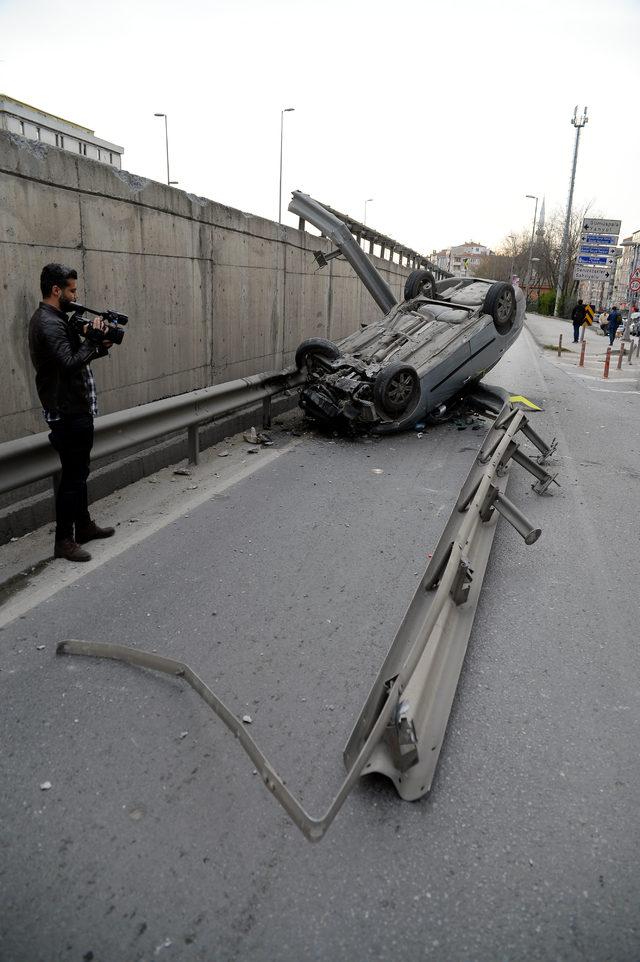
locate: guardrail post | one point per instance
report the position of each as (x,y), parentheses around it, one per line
(194,443)
(620,355)
(266,412)
(560,346)
(607,362)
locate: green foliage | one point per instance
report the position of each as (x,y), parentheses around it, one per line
(546,303)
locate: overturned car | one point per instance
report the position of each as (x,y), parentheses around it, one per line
(421,358)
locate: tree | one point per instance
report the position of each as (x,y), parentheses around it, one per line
(513,255)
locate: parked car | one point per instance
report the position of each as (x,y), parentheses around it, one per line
(420,358)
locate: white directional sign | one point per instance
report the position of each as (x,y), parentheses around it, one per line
(584,273)
(592,226)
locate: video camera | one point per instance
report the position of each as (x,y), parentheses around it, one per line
(113,320)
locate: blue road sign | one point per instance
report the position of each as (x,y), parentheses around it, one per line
(597,250)
(605,239)
(600,261)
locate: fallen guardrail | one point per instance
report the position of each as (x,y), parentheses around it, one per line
(32,458)
(401,728)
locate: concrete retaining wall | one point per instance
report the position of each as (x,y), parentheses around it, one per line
(212,293)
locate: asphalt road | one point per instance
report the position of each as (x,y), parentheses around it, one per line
(284,590)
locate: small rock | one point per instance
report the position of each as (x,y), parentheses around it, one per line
(223,454)
(251,436)
(13,539)
(153,480)
(183,734)
(45,786)
(183,471)
(247,719)
(377,471)
(253,450)
(39,647)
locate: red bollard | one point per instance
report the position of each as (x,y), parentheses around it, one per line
(620,355)
(607,362)
(560,346)
(582,350)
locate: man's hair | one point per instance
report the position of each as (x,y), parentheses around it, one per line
(55,275)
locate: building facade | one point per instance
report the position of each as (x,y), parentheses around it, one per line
(21,118)
(463,259)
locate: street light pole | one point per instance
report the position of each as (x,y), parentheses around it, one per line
(533,230)
(285,110)
(578,124)
(367,201)
(166,140)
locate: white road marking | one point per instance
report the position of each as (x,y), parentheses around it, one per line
(54,579)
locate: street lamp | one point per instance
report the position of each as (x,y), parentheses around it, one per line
(533,229)
(285,110)
(166,139)
(578,124)
(367,201)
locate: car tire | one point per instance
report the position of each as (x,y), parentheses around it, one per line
(420,282)
(500,303)
(316,346)
(396,390)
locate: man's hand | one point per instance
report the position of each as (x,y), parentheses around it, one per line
(98,323)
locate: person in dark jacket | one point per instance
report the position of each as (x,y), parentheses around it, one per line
(67,392)
(615,320)
(577,316)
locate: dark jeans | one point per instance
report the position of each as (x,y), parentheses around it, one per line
(576,330)
(72,437)
(612,332)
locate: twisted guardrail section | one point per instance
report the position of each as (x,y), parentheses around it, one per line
(401,728)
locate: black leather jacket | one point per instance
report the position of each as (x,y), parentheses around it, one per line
(59,356)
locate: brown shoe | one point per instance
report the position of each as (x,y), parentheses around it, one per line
(91,531)
(70,550)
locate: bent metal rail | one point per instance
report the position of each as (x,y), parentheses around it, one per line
(401,727)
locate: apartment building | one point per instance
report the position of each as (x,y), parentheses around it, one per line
(36,124)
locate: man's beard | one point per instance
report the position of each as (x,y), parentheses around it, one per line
(66,305)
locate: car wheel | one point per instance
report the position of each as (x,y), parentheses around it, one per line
(500,302)
(420,282)
(316,347)
(396,389)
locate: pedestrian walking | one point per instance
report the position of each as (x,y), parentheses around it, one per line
(577,316)
(614,322)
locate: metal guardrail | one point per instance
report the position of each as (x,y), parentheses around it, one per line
(30,459)
(363,233)
(401,727)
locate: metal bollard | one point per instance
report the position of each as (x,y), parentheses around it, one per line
(620,355)
(560,346)
(607,362)
(582,350)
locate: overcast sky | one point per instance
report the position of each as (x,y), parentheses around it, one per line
(446,114)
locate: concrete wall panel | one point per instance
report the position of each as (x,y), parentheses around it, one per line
(212,293)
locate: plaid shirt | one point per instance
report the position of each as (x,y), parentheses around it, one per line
(90,386)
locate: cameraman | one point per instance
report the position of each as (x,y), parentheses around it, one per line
(67,391)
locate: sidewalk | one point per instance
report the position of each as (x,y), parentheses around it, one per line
(546,331)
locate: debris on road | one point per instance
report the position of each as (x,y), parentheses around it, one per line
(247,719)
(45,786)
(251,436)
(223,454)
(183,471)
